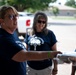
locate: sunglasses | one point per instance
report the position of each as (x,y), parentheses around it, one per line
(39,21)
(12,16)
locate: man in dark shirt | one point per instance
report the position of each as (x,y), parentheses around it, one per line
(13,53)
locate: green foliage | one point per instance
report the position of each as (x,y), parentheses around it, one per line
(2,2)
(71,3)
(34,5)
(55,11)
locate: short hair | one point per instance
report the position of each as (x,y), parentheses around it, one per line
(4,8)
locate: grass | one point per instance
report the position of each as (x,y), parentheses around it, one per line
(63,18)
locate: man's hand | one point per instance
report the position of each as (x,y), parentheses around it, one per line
(54,54)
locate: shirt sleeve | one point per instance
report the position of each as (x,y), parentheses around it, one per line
(10,48)
(53,38)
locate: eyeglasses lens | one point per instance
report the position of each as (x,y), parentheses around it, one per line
(39,21)
(12,17)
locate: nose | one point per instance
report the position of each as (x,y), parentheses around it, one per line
(42,23)
(15,18)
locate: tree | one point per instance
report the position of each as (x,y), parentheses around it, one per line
(55,11)
(30,4)
(71,3)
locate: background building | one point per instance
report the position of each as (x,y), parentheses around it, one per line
(63,10)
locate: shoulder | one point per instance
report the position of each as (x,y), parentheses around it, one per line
(50,32)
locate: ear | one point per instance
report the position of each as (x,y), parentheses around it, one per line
(1,20)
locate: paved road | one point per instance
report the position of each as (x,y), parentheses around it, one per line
(66,36)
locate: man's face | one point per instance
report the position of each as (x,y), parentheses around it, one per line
(10,21)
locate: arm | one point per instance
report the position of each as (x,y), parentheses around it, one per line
(73,69)
(33,55)
(55,69)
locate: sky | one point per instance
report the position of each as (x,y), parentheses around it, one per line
(61,1)
(58,1)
